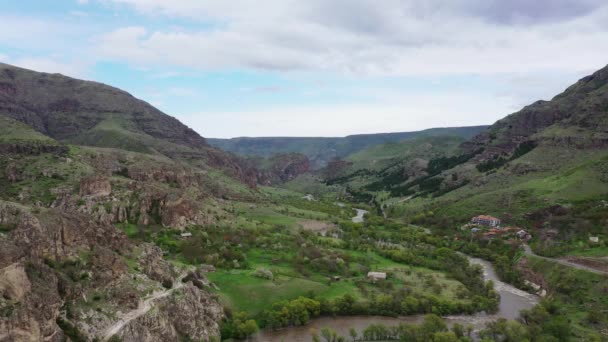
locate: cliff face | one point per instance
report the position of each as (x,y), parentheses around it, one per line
(575,118)
(54,266)
(281,168)
(190,312)
(67,272)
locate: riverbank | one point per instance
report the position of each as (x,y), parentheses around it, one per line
(512,301)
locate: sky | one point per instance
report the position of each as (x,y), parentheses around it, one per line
(230,68)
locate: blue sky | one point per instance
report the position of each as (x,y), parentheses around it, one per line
(315,67)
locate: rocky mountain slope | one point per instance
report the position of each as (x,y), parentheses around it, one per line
(72,111)
(82,163)
(280,168)
(321,151)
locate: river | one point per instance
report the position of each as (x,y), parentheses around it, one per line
(359,217)
(512,301)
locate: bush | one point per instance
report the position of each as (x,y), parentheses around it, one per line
(263,273)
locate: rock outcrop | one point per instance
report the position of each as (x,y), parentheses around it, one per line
(52,260)
(188,312)
(95,186)
(282,168)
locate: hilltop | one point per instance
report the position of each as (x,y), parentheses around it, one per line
(321,151)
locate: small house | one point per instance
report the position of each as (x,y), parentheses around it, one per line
(336,278)
(376,276)
(475,230)
(186,235)
(486,220)
(594,239)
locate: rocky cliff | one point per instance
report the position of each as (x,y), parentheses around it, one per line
(281,168)
(79,161)
(64,275)
(575,118)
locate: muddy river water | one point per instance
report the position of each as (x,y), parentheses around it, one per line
(512,301)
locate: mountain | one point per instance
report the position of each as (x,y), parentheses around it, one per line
(96,188)
(321,151)
(550,153)
(85,112)
(79,112)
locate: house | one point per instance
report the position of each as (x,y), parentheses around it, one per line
(336,278)
(186,235)
(486,220)
(376,275)
(594,239)
(475,230)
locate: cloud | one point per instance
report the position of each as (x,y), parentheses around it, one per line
(411,112)
(532,12)
(51,65)
(360,37)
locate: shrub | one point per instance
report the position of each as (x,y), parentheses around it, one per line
(263,273)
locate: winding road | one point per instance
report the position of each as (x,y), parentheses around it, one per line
(528,251)
(143,307)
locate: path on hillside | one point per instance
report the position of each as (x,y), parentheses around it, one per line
(143,307)
(528,251)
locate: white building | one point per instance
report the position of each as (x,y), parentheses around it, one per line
(486,220)
(376,275)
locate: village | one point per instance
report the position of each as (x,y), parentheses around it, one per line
(488,227)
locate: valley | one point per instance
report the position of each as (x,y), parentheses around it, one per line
(119,223)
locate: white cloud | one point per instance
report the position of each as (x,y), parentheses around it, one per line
(51,65)
(410,113)
(33,35)
(3,57)
(360,37)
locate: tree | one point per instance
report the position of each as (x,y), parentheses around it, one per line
(458,330)
(247,329)
(329,335)
(432,324)
(446,336)
(353,333)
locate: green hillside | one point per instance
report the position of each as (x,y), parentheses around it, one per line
(549,153)
(322,150)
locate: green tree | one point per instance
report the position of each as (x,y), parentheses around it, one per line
(353,334)
(446,336)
